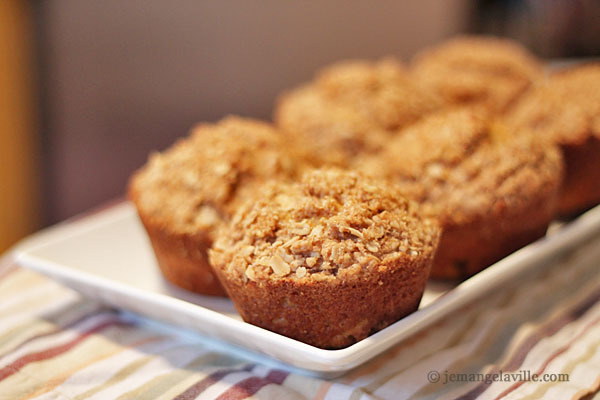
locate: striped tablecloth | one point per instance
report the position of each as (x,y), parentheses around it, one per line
(55,344)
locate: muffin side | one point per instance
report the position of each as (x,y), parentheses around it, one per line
(327,261)
(181,256)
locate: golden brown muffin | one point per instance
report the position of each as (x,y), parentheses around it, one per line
(328,260)
(350,109)
(492,192)
(477,70)
(183,194)
(566,111)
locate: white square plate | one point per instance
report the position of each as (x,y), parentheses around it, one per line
(108,256)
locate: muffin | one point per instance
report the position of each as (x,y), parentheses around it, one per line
(185,193)
(327,260)
(566,111)
(477,70)
(491,191)
(350,109)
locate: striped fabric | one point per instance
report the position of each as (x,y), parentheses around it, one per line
(54,344)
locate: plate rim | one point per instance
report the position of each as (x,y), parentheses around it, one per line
(339,360)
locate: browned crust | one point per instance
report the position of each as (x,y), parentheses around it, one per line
(467,249)
(330,314)
(182,257)
(582,179)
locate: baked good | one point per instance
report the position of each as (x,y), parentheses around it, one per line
(184,193)
(327,260)
(491,190)
(566,111)
(470,70)
(350,109)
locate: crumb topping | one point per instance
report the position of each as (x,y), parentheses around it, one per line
(196,183)
(325,131)
(331,225)
(381,91)
(351,108)
(460,166)
(469,70)
(566,108)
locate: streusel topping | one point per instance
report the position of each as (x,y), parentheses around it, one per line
(325,131)
(331,225)
(351,108)
(197,182)
(381,91)
(469,70)
(566,109)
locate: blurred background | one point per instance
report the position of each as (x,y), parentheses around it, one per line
(88,88)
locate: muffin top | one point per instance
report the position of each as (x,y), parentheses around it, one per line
(382,92)
(332,225)
(325,132)
(197,183)
(460,166)
(484,70)
(350,108)
(566,108)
